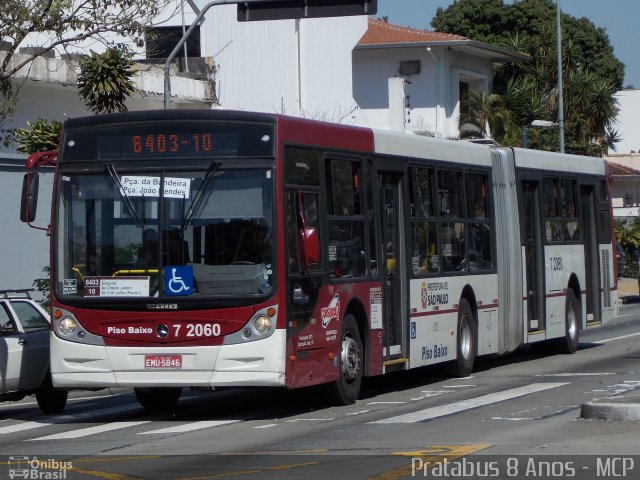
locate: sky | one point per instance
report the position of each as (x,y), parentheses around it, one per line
(619,18)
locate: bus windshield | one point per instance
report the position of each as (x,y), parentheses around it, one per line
(163,233)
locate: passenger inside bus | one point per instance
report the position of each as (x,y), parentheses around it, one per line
(257,248)
(148,252)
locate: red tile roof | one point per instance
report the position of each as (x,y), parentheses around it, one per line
(619,169)
(383,33)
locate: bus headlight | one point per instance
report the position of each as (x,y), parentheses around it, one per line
(262,324)
(66,326)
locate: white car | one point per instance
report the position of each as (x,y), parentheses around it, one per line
(24,352)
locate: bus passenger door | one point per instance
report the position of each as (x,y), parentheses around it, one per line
(591,256)
(393,264)
(534,258)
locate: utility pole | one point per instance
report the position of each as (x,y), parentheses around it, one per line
(560,100)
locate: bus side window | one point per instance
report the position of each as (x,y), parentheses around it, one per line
(453,246)
(292,228)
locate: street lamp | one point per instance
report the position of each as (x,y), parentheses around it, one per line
(539,124)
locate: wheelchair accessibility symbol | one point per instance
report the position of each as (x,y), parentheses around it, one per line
(178,280)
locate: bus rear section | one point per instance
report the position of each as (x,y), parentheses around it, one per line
(568,281)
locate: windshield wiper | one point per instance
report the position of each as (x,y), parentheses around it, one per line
(198,199)
(123,196)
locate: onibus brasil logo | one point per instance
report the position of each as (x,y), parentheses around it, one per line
(33,468)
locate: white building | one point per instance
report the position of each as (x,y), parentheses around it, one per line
(628,122)
(342,69)
(430,72)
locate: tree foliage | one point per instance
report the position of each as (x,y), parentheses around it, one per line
(39,136)
(60,24)
(529,90)
(104,80)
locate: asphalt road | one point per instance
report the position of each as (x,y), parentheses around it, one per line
(516,417)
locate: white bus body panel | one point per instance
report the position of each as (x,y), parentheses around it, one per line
(258,363)
(562,261)
(433,304)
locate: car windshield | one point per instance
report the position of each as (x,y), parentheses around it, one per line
(185,234)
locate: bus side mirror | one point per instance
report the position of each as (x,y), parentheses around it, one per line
(309,246)
(29,200)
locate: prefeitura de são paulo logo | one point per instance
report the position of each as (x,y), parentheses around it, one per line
(424,295)
(331,311)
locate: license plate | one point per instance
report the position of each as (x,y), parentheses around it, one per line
(163,361)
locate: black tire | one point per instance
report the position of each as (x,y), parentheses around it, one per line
(158,399)
(51,399)
(465,341)
(569,344)
(346,389)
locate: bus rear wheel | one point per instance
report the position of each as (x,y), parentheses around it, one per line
(158,399)
(346,389)
(465,341)
(569,344)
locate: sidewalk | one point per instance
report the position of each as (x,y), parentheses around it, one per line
(624,407)
(628,290)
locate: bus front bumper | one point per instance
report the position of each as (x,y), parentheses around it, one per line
(260,363)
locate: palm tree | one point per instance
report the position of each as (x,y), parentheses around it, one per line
(483,115)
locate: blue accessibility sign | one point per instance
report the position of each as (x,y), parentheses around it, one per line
(178,280)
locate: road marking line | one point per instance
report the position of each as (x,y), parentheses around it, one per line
(443,410)
(607,340)
(386,403)
(423,460)
(575,374)
(101,474)
(22,426)
(189,427)
(83,432)
(66,418)
(516,419)
(268,425)
(254,471)
(311,420)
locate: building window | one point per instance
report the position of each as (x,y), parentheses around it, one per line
(161,41)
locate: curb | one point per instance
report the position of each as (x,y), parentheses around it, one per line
(630,299)
(617,409)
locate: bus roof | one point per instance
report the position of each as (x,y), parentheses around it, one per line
(541,160)
(419,146)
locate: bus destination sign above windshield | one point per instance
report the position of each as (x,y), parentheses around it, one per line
(168,144)
(161,141)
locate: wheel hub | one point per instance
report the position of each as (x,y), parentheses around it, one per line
(350,358)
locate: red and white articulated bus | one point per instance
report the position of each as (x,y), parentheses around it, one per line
(219,248)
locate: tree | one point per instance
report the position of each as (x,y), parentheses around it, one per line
(61,24)
(483,114)
(40,136)
(591,72)
(104,80)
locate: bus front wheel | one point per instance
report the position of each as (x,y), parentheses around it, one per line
(158,399)
(465,341)
(345,390)
(49,398)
